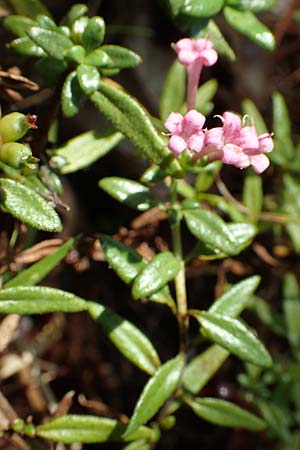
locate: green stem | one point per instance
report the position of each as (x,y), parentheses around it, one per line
(180,281)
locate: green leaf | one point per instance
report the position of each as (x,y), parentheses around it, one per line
(18,25)
(86,148)
(130,341)
(234,336)
(203,367)
(253,194)
(93,34)
(291,309)
(88,78)
(125,112)
(51,69)
(29,8)
(276,419)
(225,414)
(52,42)
(120,57)
(255,6)
(39,300)
(138,445)
(27,206)
(97,58)
(124,260)
(158,272)
(236,299)
(243,234)
(35,273)
(158,389)
(88,430)
(78,10)
(173,92)
(72,96)
(130,192)
(249,108)
(246,23)
(26,47)
(205,94)
(152,175)
(291,288)
(201,8)
(47,23)
(211,229)
(221,45)
(282,125)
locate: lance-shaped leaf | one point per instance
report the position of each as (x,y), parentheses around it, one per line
(158,272)
(201,8)
(132,193)
(203,367)
(30,8)
(282,124)
(27,47)
(125,112)
(18,25)
(236,299)
(120,57)
(75,12)
(39,300)
(250,5)
(253,194)
(225,414)
(130,341)
(243,233)
(221,45)
(247,23)
(234,336)
(52,42)
(249,108)
(175,82)
(27,206)
(88,78)
(138,445)
(158,389)
(35,273)
(86,148)
(211,229)
(291,309)
(72,95)
(88,430)
(93,33)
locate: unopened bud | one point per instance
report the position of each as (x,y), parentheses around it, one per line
(15,125)
(14,154)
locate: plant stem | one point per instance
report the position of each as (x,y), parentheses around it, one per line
(180,281)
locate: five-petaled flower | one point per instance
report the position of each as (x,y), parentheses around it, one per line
(194,54)
(239,145)
(186,132)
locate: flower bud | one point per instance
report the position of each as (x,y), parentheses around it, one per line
(15,125)
(14,154)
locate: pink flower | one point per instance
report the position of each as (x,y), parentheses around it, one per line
(239,146)
(186,132)
(194,54)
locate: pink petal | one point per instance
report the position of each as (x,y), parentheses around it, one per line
(202,44)
(209,57)
(184,44)
(212,152)
(196,142)
(232,154)
(214,136)
(173,123)
(186,57)
(259,163)
(232,126)
(266,143)
(248,140)
(177,145)
(192,122)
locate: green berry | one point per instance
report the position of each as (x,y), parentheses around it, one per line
(14,154)
(15,125)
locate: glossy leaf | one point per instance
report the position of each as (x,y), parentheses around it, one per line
(249,108)
(88,78)
(39,300)
(130,341)
(52,42)
(246,23)
(211,229)
(26,47)
(27,206)
(173,93)
(130,192)
(253,194)
(138,445)
(97,58)
(36,272)
(234,336)
(291,309)
(44,21)
(158,389)
(291,289)
(30,8)
(243,233)
(18,25)
(93,34)
(236,299)
(76,11)
(205,94)
(252,5)
(201,8)
(225,414)
(125,112)
(121,57)
(72,95)
(203,367)
(124,260)
(152,175)
(88,430)
(86,148)
(282,125)
(221,45)
(158,272)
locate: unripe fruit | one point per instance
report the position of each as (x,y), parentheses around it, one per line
(15,125)
(14,154)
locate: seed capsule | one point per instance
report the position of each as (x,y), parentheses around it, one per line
(14,154)
(15,125)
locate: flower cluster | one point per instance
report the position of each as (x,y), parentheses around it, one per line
(234,142)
